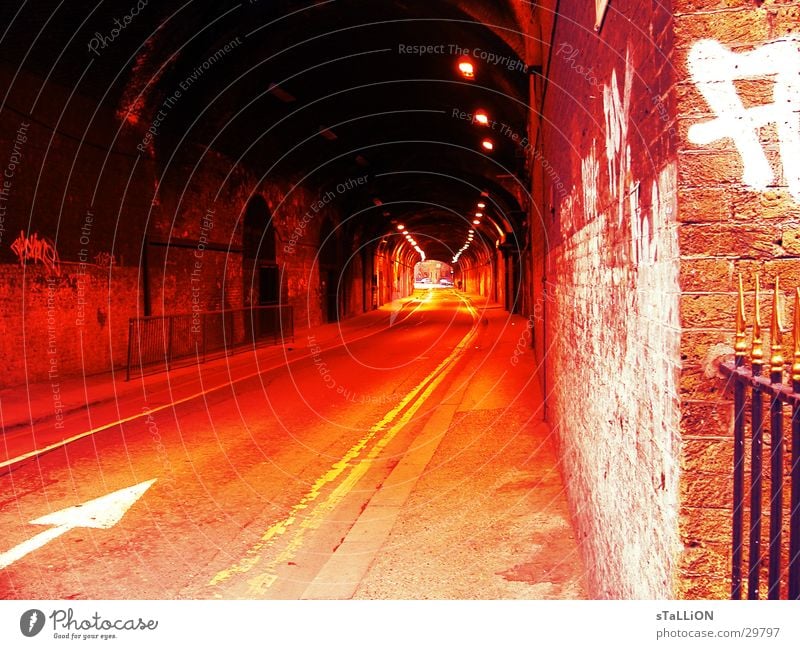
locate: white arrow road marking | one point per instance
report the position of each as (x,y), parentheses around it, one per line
(100,513)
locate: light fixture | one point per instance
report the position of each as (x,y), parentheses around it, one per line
(481,205)
(488,144)
(400,226)
(478,215)
(278,92)
(327,133)
(476,222)
(466,68)
(481,117)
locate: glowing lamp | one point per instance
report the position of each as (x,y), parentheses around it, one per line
(466,68)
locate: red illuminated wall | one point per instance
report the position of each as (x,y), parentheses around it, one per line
(607,221)
(104,214)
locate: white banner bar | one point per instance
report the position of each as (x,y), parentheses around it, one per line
(379,624)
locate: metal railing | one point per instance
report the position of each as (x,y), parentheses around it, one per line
(778,396)
(158,343)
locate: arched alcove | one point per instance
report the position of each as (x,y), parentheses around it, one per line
(261,276)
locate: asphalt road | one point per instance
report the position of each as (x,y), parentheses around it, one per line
(241,492)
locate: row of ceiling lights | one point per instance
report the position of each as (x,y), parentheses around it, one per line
(411,240)
(467,69)
(471,233)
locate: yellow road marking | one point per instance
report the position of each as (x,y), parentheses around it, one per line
(421,392)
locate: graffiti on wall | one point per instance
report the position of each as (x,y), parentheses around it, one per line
(36,249)
(590,174)
(625,191)
(617,108)
(715,69)
(104,260)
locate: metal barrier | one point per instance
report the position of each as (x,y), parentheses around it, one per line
(778,395)
(158,343)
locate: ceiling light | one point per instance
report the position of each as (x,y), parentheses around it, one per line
(400,226)
(482,118)
(488,144)
(327,133)
(481,205)
(278,92)
(466,68)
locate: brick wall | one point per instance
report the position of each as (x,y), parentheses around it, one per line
(62,199)
(608,162)
(735,216)
(60,326)
(77,203)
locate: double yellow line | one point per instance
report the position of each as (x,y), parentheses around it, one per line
(349,466)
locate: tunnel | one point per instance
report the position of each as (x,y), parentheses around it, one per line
(333,286)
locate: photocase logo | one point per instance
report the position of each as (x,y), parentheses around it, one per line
(31,622)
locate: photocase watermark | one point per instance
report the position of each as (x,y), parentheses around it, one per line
(664,115)
(52,352)
(155,434)
(523,142)
(31,622)
(206,225)
(102,41)
(332,384)
(510,63)
(525,340)
(183,86)
(83,260)
(570,54)
(317,206)
(67,626)
(14,159)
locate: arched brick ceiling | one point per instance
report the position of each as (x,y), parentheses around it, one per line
(339,66)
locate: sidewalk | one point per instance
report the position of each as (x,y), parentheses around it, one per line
(476,508)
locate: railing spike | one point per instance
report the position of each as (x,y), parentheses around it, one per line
(796,336)
(757,351)
(741,343)
(776,358)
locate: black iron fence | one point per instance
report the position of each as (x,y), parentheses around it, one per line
(750,434)
(157,343)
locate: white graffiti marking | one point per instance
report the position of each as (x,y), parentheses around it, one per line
(714,68)
(590,172)
(36,249)
(617,112)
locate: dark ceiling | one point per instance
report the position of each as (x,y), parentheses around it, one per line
(296,72)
